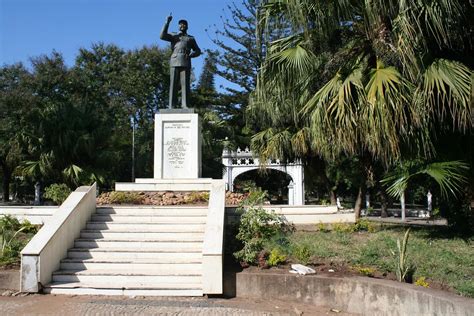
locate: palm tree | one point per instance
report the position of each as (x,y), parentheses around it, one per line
(448,175)
(362,78)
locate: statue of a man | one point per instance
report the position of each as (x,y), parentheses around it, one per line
(184,48)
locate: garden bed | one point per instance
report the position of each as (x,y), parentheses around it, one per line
(438,258)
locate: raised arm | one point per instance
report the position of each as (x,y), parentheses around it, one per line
(164,35)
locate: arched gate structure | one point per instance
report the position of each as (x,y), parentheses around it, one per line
(241,161)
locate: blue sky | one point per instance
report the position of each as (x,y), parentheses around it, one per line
(30,28)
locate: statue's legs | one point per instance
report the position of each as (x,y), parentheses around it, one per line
(185,75)
(174,81)
(179,78)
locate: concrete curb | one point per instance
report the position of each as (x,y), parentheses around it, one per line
(353,294)
(10,280)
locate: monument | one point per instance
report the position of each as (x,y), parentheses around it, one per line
(177,130)
(184,47)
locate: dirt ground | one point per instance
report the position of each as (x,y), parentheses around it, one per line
(110,305)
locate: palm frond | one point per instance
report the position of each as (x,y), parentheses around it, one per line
(449,175)
(446,88)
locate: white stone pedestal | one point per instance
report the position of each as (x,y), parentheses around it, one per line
(177,145)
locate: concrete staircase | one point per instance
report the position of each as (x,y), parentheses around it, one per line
(151,251)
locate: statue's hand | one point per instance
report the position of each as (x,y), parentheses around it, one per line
(168,19)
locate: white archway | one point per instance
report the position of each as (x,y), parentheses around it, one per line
(241,161)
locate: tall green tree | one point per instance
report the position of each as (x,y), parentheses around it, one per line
(16,101)
(372,79)
(238,59)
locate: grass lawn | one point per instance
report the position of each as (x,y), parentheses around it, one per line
(445,260)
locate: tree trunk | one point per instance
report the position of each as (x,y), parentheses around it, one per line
(37,193)
(358,202)
(333,197)
(7,175)
(402,204)
(383,204)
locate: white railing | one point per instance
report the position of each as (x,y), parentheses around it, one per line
(42,255)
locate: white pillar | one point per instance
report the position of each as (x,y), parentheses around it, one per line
(291,193)
(429,198)
(402,204)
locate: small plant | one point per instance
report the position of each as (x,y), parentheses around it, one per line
(323,227)
(195,197)
(404,270)
(14,236)
(343,228)
(370,210)
(302,254)
(364,225)
(324,202)
(366,271)
(276,257)
(421,281)
(257,226)
(118,197)
(436,213)
(57,193)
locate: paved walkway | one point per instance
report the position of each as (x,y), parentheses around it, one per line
(103,305)
(409,221)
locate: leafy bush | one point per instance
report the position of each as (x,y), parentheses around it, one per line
(57,192)
(343,228)
(364,225)
(14,236)
(365,271)
(360,225)
(421,281)
(257,226)
(276,257)
(323,227)
(118,197)
(302,253)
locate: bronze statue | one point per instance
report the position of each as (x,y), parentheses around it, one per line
(184,48)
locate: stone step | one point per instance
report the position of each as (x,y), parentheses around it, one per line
(148,219)
(117,279)
(138,244)
(156,227)
(163,211)
(123,292)
(125,235)
(132,267)
(156,261)
(128,289)
(111,253)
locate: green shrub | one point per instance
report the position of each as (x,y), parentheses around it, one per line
(14,236)
(365,271)
(302,254)
(343,228)
(364,225)
(466,288)
(370,210)
(323,227)
(57,192)
(421,281)
(256,227)
(276,257)
(118,197)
